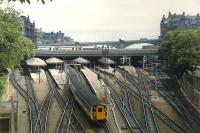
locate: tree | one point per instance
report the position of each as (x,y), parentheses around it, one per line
(28,1)
(13,45)
(181,50)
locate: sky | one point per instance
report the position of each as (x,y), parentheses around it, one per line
(105,20)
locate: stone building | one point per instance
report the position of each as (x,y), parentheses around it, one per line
(38,36)
(53,37)
(28,28)
(178,21)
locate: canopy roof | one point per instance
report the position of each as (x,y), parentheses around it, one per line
(36,62)
(104,60)
(54,61)
(81,60)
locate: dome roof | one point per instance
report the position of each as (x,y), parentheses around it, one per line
(138,45)
(104,60)
(54,61)
(81,60)
(36,62)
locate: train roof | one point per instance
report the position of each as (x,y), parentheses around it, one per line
(83,90)
(89,97)
(78,79)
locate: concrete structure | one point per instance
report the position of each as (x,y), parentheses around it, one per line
(59,76)
(28,28)
(8,116)
(97,84)
(178,21)
(117,44)
(96,53)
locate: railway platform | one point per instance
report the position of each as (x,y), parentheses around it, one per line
(108,70)
(98,85)
(59,77)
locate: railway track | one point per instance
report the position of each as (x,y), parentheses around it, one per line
(151,125)
(34,110)
(105,127)
(62,103)
(30,100)
(54,88)
(44,109)
(126,100)
(76,124)
(125,111)
(19,89)
(175,102)
(171,123)
(66,117)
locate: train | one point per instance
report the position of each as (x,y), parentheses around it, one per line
(96,109)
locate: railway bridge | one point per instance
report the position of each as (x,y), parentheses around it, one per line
(96,53)
(117,55)
(120,44)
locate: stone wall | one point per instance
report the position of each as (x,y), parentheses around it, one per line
(191,89)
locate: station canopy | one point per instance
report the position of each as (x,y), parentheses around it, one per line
(54,61)
(36,62)
(81,60)
(104,60)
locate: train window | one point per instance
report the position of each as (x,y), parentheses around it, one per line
(99,109)
(94,110)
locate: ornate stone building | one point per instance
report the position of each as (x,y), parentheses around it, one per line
(28,28)
(38,36)
(58,36)
(178,21)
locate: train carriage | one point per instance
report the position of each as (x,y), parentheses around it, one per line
(91,104)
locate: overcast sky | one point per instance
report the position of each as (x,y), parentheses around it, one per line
(99,20)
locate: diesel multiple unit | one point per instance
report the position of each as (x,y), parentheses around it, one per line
(91,104)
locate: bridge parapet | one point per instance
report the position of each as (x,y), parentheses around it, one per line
(116,44)
(83,53)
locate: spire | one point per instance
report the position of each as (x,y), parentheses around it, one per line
(183,13)
(170,14)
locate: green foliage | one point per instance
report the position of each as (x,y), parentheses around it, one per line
(13,45)
(28,1)
(181,50)
(2,83)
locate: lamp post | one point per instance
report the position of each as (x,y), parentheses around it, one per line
(144,62)
(94,65)
(155,74)
(105,53)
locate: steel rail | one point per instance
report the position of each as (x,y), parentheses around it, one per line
(130,119)
(66,117)
(176,104)
(77,125)
(173,124)
(32,106)
(148,112)
(62,102)
(44,109)
(36,123)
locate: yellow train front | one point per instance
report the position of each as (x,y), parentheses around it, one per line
(96,109)
(99,112)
